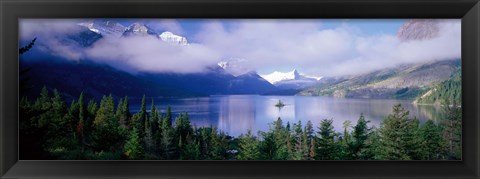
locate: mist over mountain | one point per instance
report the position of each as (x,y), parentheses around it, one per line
(104,27)
(161,63)
(137,29)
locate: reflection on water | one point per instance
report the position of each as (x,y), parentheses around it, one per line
(236,114)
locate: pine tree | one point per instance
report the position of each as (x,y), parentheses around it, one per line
(452,129)
(346,124)
(26,48)
(281,136)
(431,141)
(126,115)
(399,135)
(326,145)
(359,145)
(141,117)
(248,147)
(119,113)
(133,149)
(267,147)
(299,145)
(169,117)
(166,144)
(106,127)
(43,102)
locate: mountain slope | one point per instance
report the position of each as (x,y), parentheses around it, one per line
(403,82)
(250,83)
(447,92)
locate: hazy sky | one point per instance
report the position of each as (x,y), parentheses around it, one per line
(316,47)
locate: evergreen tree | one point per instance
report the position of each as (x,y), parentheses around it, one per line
(300,150)
(169,116)
(119,113)
(191,151)
(346,124)
(126,115)
(248,147)
(452,129)
(26,48)
(267,147)
(133,149)
(141,117)
(81,116)
(167,147)
(218,146)
(326,145)
(398,135)
(106,127)
(358,146)
(281,137)
(431,141)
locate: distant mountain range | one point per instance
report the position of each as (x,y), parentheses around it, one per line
(402,82)
(291,80)
(231,76)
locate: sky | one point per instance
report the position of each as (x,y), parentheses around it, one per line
(317,47)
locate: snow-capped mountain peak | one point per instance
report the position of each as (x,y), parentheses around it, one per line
(172,38)
(235,66)
(104,27)
(139,29)
(277,76)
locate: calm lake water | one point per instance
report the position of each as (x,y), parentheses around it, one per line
(235,114)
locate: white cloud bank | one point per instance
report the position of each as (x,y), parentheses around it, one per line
(266,44)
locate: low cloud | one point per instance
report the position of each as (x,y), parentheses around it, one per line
(150,54)
(264,44)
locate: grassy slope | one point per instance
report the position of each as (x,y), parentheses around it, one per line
(402,82)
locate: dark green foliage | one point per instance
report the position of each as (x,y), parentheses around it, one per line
(53,130)
(431,141)
(452,130)
(169,117)
(267,147)
(445,92)
(326,145)
(399,135)
(107,133)
(357,148)
(248,147)
(133,149)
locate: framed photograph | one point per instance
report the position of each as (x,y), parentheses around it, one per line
(240,89)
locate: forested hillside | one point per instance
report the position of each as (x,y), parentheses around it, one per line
(446,92)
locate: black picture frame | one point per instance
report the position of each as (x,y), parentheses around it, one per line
(12,10)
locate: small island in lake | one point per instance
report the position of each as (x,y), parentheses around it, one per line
(279,104)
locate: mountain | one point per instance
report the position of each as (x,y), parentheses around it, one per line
(104,27)
(251,83)
(235,66)
(418,29)
(95,80)
(402,82)
(291,80)
(172,38)
(83,38)
(137,29)
(447,92)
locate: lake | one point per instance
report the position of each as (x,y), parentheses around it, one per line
(235,114)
